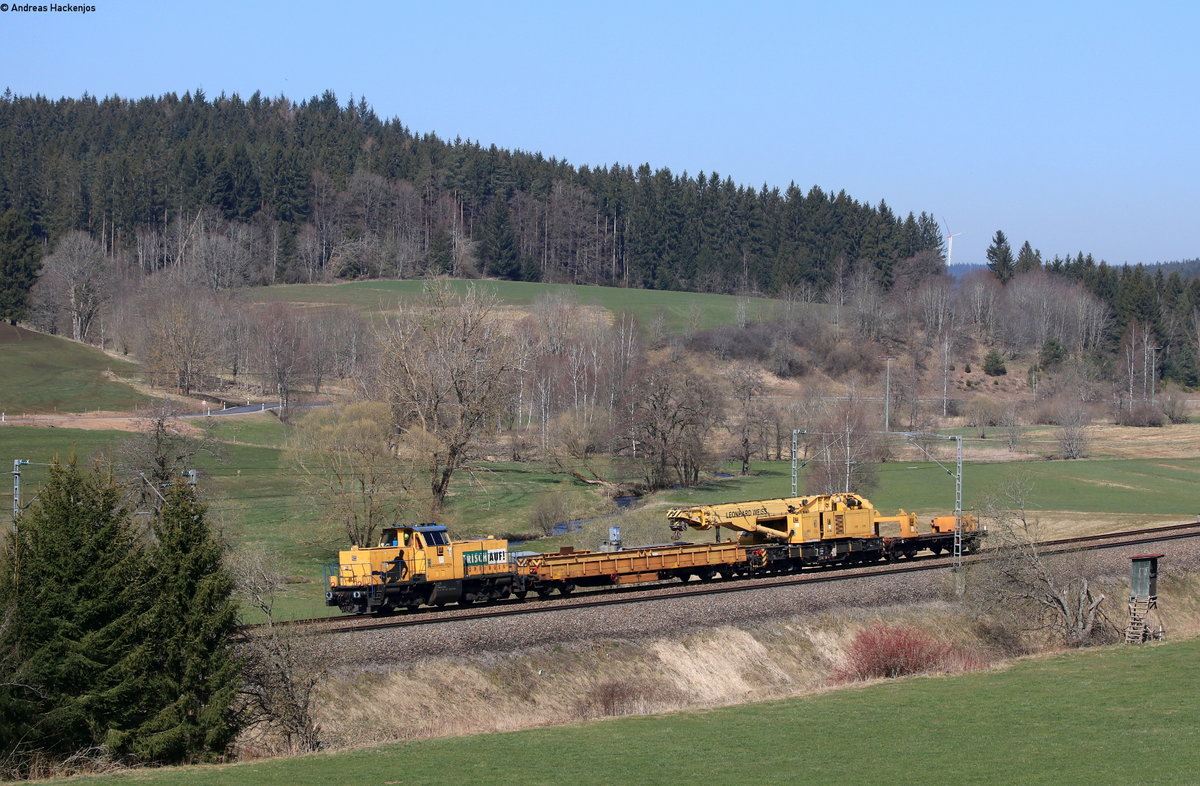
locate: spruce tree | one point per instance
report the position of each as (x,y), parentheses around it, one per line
(1028,260)
(73,571)
(19,265)
(1000,258)
(993,364)
(499,248)
(191,673)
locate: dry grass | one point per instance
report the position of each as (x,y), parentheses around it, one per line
(567,683)
(1070,524)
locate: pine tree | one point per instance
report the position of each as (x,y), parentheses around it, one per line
(1000,258)
(191,673)
(74,573)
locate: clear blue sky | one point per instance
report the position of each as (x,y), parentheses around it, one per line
(1072,125)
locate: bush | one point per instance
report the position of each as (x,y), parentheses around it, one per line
(1141,413)
(898,651)
(1174,406)
(548,510)
(982,412)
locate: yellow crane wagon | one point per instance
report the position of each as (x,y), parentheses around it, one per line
(821,529)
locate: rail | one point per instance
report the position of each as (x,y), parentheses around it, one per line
(652,592)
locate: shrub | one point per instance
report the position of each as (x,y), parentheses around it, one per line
(549,510)
(1174,406)
(899,650)
(1140,413)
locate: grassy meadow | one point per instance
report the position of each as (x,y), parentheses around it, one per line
(1109,715)
(678,310)
(47,374)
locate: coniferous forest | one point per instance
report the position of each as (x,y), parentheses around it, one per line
(324,189)
(267,190)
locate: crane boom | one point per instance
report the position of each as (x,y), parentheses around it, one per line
(791,519)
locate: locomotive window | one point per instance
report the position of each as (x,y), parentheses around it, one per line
(436,539)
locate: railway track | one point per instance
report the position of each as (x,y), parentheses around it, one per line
(663,591)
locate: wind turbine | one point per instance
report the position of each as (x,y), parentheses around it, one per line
(950,246)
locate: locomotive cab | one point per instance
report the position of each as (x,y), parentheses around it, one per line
(417,565)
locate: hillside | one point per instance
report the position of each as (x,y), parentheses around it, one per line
(47,374)
(676,312)
(331,190)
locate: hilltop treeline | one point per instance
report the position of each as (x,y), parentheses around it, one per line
(319,189)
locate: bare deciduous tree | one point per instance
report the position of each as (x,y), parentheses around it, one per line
(279,353)
(284,667)
(179,340)
(158,455)
(1020,581)
(73,283)
(672,411)
(746,384)
(445,364)
(1073,419)
(846,448)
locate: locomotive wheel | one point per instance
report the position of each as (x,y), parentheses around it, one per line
(937,550)
(544,592)
(413,607)
(520,594)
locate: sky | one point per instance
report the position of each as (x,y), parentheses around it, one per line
(1072,125)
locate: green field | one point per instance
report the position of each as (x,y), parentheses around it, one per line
(679,310)
(261,429)
(257,500)
(47,374)
(1111,715)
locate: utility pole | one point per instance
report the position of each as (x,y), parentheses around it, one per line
(959,577)
(887,394)
(16,509)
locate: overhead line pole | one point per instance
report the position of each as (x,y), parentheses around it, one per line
(887,395)
(16,472)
